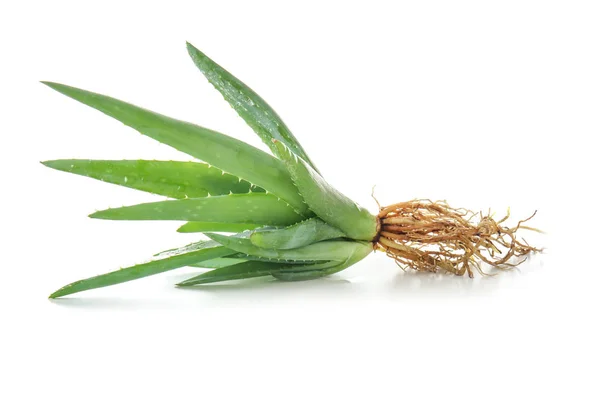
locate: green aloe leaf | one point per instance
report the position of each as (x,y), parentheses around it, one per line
(226,153)
(142,270)
(197,226)
(357,254)
(175,179)
(250,269)
(249,105)
(251,208)
(301,234)
(199,245)
(247,257)
(304,275)
(329,204)
(218,263)
(339,250)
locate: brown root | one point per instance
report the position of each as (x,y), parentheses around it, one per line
(431,236)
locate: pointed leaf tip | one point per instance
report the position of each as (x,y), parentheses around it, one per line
(174,179)
(139,271)
(54,164)
(53,85)
(253,109)
(226,153)
(250,208)
(99,214)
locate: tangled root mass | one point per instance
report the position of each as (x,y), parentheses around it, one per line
(432,236)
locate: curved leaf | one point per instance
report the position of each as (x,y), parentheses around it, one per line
(250,269)
(325,201)
(226,153)
(339,250)
(142,270)
(304,275)
(242,256)
(249,105)
(301,234)
(358,253)
(218,263)
(175,179)
(199,245)
(197,226)
(252,208)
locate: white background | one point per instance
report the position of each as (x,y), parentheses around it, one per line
(484,104)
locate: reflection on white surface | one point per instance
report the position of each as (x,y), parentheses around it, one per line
(375,279)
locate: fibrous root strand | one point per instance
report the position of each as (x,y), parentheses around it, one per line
(432,236)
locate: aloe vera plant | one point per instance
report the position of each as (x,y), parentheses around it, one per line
(287,221)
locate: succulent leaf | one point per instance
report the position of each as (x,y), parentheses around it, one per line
(299,235)
(250,269)
(226,153)
(358,253)
(339,250)
(249,105)
(251,208)
(142,270)
(198,226)
(175,179)
(218,263)
(328,203)
(269,203)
